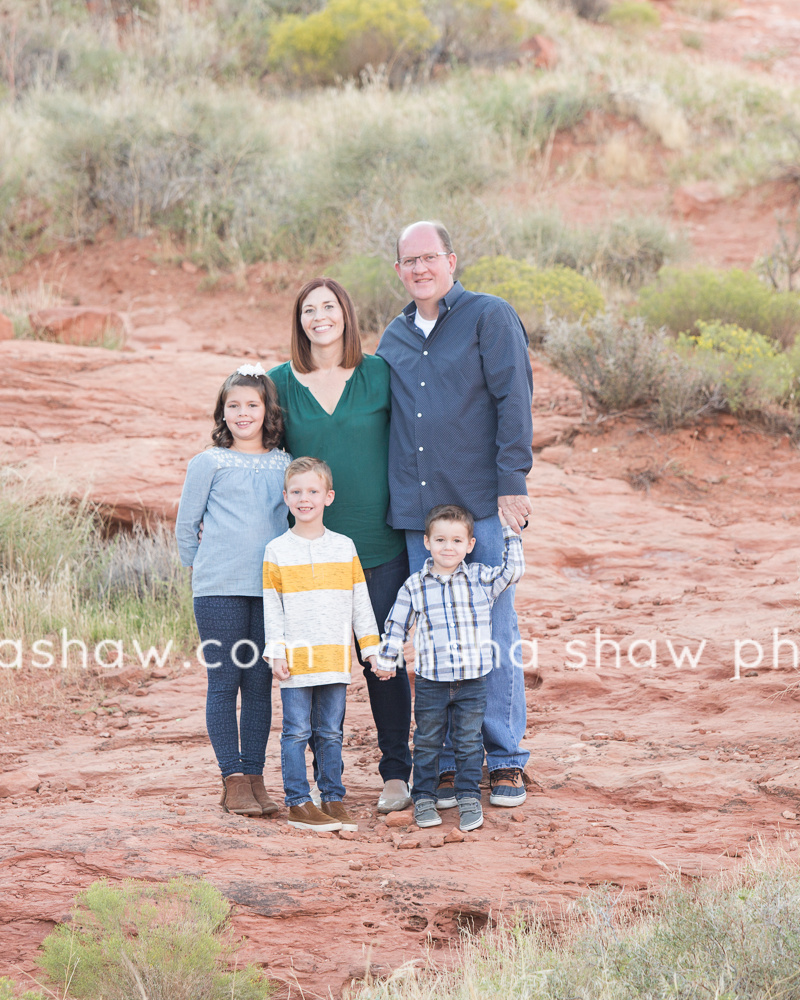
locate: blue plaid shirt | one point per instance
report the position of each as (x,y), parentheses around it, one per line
(453,616)
(461,426)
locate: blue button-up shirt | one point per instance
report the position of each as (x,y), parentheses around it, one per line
(461,426)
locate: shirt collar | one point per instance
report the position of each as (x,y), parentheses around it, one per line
(445,304)
(427,569)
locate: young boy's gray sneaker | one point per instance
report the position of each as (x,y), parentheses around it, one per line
(470,814)
(425,813)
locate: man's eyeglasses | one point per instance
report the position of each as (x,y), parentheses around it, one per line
(428,259)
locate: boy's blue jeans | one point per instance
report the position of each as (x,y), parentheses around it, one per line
(318,710)
(506,713)
(462,704)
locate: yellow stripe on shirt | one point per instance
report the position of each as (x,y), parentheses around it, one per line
(322,576)
(318,659)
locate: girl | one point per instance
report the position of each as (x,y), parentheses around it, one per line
(235,491)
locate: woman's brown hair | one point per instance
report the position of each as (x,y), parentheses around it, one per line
(301,345)
(271,432)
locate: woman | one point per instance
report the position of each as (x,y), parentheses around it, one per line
(336,406)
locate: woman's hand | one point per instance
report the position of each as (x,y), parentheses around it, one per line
(280,669)
(382,675)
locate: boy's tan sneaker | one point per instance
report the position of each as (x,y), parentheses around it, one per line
(308,817)
(336,810)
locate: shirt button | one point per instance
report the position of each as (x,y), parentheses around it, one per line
(425,353)
(419,414)
(423,483)
(422,383)
(422,449)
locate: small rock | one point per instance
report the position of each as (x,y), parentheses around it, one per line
(585,737)
(399,819)
(326,834)
(78,324)
(140,693)
(619,735)
(18,783)
(622,604)
(788,814)
(517,817)
(397,840)
(348,835)
(180,811)
(455,836)
(436,841)
(409,844)
(601,736)
(89,717)
(751,673)
(355,866)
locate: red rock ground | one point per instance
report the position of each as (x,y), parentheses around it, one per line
(650,544)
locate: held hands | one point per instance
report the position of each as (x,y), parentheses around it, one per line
(280,669)
(514,511)
(382,675)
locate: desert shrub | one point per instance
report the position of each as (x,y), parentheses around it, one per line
(147,939)
(475,31)
(617,366)
(706,10)
(347,36)
(626,251)
(535,294)
(514,108)
(735,936)
(58,570)
(375,289)
(684,393)
(8,992)
(680,299)
(748,370)
(632,15)
(589,10)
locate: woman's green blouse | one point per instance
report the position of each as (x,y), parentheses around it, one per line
(354,441)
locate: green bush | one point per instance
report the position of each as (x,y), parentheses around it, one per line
(8,992)
(516,108)
(617,366)
(632,15)
(680,300)
(347,36)
(535,293)
(626,251)
(375,288)
(748,370)
(142,939)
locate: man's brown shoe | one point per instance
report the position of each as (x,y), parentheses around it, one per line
(261,795)
(238,797)
(308,817)
(337,811)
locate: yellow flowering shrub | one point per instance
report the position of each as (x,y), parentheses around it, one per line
(750,371)
(535,293)
(346,36)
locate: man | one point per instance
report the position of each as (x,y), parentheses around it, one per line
(461,432)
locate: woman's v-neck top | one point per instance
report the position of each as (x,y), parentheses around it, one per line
(354,441)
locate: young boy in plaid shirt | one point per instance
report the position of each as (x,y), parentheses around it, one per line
(450,601)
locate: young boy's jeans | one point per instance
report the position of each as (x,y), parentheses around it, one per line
(462,704)
(318,710)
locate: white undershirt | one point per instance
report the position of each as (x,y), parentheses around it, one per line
(426,325)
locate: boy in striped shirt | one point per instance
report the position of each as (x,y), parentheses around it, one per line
(315,597)
(450,601)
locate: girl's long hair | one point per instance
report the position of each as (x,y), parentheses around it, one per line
(301,345)
(271,432)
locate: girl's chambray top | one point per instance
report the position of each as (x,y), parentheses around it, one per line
(239,499)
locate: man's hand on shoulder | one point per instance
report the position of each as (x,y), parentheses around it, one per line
(515,511)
